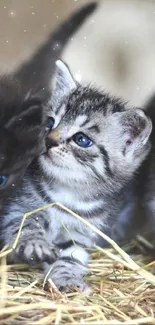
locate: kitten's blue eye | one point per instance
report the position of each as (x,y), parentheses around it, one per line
(50,122)
(3,180)
(82,140)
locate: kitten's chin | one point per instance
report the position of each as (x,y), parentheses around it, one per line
(46,162)
(46,157)
(49,166)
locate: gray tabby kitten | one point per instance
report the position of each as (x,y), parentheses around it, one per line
(96,145)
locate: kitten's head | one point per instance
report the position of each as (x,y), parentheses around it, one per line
(95,138)
(22,132)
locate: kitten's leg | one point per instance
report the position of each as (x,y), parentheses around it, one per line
(67,273)
(33,246)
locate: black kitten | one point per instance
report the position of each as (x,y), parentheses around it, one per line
(23,99)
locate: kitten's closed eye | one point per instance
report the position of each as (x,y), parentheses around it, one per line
(50,122)
(82,140)
(3,180)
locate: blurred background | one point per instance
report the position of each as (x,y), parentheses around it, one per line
(115,47)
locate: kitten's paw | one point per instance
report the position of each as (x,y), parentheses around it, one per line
(69,285)
(68,275)
(36,251)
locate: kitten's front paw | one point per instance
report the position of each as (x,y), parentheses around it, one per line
(35,251)
(68,275)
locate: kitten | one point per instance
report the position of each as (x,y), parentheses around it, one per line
(142,217)
(23,99)
(96,145)
(138,212)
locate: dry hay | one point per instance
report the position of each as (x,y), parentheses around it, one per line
(122,285)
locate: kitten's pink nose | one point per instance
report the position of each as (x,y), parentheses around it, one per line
(54,134)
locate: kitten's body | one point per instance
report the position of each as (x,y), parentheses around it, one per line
(142,217)
(23,99)
(138,214)
(146,181)
(88,180)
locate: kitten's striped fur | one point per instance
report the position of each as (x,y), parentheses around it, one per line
(90,181)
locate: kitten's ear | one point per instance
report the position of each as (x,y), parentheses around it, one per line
(64,82)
